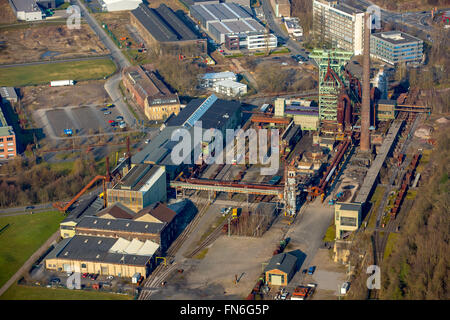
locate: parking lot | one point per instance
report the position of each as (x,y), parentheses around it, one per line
(83,120)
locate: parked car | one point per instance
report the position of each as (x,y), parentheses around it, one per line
(111,121)
(311,270)
(94,276)
(284,295)
(107,112)
(109,277)
(84,275)
(55,280)
(119,118)
(147,141)
(29,207)
(104,109)
(111,105)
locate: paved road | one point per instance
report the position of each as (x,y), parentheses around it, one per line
(293,45)
(27,265)
(112,84)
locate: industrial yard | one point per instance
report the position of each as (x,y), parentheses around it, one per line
(198,151)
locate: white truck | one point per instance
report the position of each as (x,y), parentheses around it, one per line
(60,83)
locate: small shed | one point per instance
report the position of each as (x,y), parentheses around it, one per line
(281,269)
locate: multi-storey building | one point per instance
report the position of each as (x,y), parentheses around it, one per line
(396,47)
(339,25)
(7,138)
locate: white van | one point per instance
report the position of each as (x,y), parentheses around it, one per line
(344,287)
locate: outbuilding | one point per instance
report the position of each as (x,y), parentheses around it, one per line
(281,269)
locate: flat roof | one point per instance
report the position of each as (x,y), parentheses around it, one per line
(120,225)
(395,37)
(214,117)
(5,129)
(8,93)
(163,24)
(221,11)
(218,75)
(351,206)
(90,248)
(237,26)
(25,5)
(230,84)
(137,177)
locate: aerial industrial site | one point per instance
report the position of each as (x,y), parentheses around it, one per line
(224,150)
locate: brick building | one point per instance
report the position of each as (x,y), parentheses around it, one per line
(150,93)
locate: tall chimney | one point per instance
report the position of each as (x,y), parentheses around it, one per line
(365,105)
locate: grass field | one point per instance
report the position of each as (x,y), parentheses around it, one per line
(25,234)
(44,73)
(392,239)
(18,292)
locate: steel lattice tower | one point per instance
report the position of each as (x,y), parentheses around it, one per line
(330,87)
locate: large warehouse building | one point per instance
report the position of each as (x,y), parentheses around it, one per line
(233,25)
(166,33)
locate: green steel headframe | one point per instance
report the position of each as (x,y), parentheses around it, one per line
(329,90)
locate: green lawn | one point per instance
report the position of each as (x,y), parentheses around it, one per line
(392,239)
(330,235)
(19,292)
(25,234)
(44,73)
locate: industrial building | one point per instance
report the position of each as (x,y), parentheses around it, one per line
(280,269)
(166,33)
(303,114)
(208,79)
(230,88)
(281,8)
(347,218)
(213,112)
(385,109)
(234,26)
(339,24)
(119,5)
(8,143)
(150,93)
(102,255)
(27,10)
(143,185)
(396,47)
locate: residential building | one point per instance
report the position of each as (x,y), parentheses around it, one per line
(385,109)
(166,33)
(280,269)
(207,80)
(281,8)
(234,26)
(150,93)
(347,218)
(119,5)
(396,47)
(143,185)
(230,88)
(8,143)
(338,24)
(102,255)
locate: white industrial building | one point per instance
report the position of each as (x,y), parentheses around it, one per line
(230,88)
(27,10)
(207,80)
(233,25)
(293,27)
(119,5)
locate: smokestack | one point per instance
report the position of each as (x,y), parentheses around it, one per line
(365,105)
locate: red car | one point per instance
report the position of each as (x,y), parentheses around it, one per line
(84,275)
(111,121)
